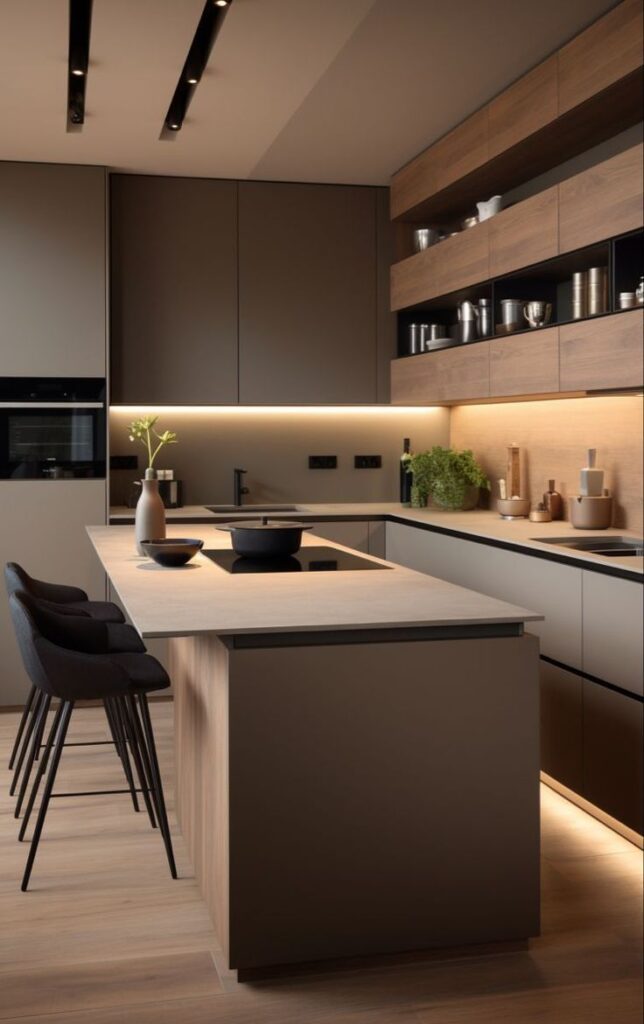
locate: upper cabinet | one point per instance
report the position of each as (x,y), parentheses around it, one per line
(307,294)
(173,291)
(52,270)
(524,234)
(253,293)
(606,52)
(586,92)
(603,201)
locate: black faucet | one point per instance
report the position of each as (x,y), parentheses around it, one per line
(238,490)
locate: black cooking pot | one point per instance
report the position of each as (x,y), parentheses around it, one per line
(265,538)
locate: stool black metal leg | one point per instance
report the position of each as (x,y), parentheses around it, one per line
(110,721)
(36,740)
(156,781)
(122,747)
(21,728)
(31,725)
(42,767)
(144,779)
(68,707)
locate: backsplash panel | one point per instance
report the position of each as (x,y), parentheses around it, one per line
(274,445)
(554,437)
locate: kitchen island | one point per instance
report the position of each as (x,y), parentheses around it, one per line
(357,755)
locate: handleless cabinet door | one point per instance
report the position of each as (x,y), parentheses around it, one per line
(604,201)
(307,294)
(523,108)
(52,270)
(614,630)
(460,151)
(524,234)
(561,725)
(605,52)
(415,279)
(525,365)
(605,353)
(613,746)
(174,290)
(463,259)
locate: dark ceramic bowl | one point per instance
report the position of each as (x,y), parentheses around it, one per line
(172,552)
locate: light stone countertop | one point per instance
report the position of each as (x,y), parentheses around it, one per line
(480,523)
(203,598)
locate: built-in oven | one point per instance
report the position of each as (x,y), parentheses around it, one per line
(52,428)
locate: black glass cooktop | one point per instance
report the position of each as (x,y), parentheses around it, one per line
(322,559)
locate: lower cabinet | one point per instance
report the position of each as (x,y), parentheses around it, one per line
(591,736)
(562,726)
(352,535)
(613,740)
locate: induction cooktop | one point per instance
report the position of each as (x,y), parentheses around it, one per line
(314,559)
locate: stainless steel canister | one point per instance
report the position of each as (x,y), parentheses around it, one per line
(414,339)
(485,318)
(597,290)
(579,295)
(512,313)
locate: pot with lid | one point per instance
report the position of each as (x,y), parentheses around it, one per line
(265,538)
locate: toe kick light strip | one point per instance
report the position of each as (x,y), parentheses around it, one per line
(210,22)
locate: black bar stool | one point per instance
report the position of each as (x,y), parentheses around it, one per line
(58,668)
(66,600)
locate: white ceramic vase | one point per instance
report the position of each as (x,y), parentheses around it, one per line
(149,521)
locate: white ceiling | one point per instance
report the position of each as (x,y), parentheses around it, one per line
(296,90)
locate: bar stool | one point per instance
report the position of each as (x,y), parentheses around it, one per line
(93,636)
(69,600)
(70,674)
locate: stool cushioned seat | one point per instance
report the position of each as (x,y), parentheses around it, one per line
(123,639)
(143,671)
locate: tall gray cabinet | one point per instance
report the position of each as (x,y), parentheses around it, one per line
(173,290)
(52,270)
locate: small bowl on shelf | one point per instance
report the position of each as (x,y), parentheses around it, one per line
(173,551)
(513,508)
(470,222)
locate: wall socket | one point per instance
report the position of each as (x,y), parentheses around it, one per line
(367,461)
(323,461)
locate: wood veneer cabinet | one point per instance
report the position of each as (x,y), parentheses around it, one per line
(174,290)
(596,355)
(524,108)
(601,55)
(453,375)
(604,201)
(307,294)
(524,234)
(463,259)
(416,278)
(461,150)
(525,365)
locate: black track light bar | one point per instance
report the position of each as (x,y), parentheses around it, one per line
(211,20)
(80,21)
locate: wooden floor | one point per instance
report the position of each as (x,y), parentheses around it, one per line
(104,935)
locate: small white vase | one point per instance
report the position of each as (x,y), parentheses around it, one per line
(149,521)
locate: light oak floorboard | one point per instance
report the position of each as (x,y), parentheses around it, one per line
(106,937)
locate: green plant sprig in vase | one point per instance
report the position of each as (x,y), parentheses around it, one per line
(451,478)
(149,519)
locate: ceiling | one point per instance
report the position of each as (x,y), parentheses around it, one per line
(296,90)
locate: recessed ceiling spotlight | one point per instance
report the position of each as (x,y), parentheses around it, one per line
(78,72)
(80,21)
(213,15)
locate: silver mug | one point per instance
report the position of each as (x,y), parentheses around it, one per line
(424,237)
(537,313)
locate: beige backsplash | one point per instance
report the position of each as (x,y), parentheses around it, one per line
(274,445)
(554,437)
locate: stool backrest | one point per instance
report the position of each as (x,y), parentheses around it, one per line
(18,578)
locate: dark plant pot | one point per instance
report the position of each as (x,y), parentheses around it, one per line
(464,501)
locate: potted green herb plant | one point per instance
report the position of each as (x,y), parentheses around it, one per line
(452,479)
(149,521)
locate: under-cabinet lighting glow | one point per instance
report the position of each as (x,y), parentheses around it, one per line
(281,410)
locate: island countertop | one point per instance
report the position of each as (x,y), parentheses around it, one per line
(203,598)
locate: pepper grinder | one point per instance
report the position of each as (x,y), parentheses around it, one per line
(553,501)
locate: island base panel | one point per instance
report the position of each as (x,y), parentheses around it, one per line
(360,799)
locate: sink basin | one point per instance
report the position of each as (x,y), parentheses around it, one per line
(617,547)
(237,509)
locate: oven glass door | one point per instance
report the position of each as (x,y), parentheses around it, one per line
(41,443)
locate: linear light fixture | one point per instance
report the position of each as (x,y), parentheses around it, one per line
(211,20)
(80,21)
(280,410)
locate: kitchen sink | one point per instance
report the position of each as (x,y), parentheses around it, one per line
(260,509)
(617,547)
